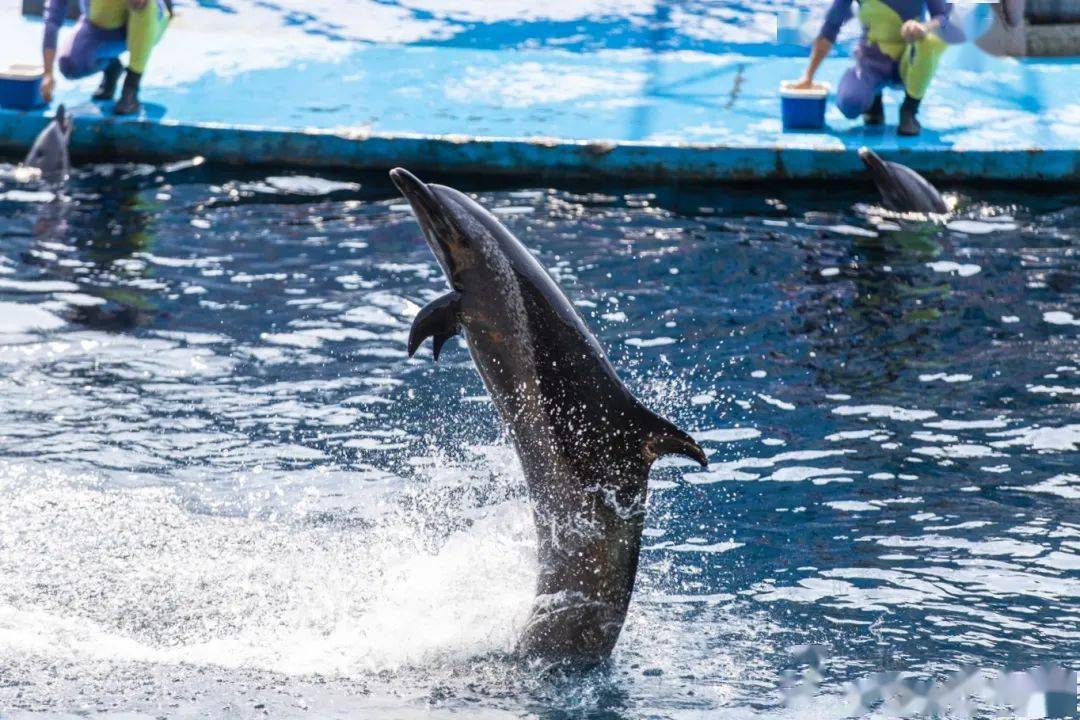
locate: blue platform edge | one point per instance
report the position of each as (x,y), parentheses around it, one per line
(635,112)
(142,140)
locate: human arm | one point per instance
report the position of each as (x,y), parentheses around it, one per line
(940,23)
(53,17)
(839,12)
(818,52)
(48,82)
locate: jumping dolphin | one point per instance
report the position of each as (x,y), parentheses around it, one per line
(585,442)
(901,188)
(49,152)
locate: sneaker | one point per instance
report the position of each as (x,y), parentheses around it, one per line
(909,125)
(110,76)
(129,104)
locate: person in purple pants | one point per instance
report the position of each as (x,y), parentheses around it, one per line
(106,28)
(899,46)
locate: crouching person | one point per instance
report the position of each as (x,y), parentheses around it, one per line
(898,47)
(104,31)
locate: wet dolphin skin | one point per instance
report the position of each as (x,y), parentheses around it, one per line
(585,442)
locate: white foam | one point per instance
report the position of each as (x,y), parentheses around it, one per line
(852,506)
(650,342)
(79,299)
(28,196)
(957,451)
(728,434)
(776,402)
(1053,390)
(884,411)
(799,473)
(967,424)
(21,318)
(853,231)
(306,185)
(718,547)
(38,286)
(980,227)
(851,435)
(147,581)
(1066,485)
(947,266)
(1060,317)
(945,377)
(1063,438)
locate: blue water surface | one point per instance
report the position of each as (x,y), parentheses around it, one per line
(226,491)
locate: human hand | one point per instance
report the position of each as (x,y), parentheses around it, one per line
(137,4)
(804,83)
(48,83)
(912,31)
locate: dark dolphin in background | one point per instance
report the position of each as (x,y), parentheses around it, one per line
(49,153)
(1011,12)
(902,189)
(585,442)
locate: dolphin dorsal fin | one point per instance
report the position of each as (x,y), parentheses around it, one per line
(663,438)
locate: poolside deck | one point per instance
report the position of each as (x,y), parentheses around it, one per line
(237,93)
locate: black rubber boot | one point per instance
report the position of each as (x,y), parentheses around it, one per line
(129,104)
(109,77)
(908,124)
(875,114)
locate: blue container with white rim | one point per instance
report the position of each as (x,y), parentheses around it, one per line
(803,109)
(20,87)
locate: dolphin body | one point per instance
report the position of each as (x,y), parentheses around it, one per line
(585,442)
(49,153)
(902,189)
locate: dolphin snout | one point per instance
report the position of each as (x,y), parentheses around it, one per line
(403,178)
(409,185)
(871,159)
(431,213)
(425,205)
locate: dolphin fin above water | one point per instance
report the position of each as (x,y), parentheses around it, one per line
(586,444)
(49,153)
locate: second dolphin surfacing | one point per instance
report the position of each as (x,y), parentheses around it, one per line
(585,442)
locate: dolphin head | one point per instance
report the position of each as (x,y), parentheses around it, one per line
(902,189)
(449,220)
(49,152)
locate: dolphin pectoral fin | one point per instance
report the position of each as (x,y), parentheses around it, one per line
(439,319)
(663,438)
(437,341)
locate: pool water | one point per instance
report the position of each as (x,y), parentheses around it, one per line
(226,491)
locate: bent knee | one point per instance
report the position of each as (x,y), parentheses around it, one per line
(73,67)
(852,105)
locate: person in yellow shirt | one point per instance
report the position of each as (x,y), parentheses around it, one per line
(105,30)
(899,46)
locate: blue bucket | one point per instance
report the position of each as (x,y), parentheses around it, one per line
(803,109)
(20,87)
